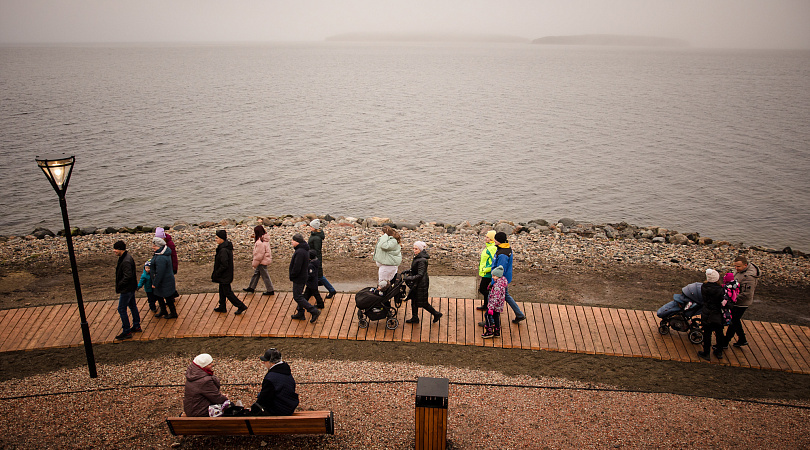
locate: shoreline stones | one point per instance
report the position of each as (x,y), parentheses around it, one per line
(538,244)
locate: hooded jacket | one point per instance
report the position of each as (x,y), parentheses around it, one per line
(748,283)
(312,273)
(503,257)
(223,264)
(712,303)
(315,242)
(278,396)
(202,390)
(388,252)
(418,278)
(125,274)
(162,274)
(261,252)
(487,255)
(299,264)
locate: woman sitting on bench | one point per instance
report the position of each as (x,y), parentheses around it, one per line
(202,387)
(278,396)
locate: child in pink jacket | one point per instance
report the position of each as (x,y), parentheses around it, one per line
(495,301)
(261,259)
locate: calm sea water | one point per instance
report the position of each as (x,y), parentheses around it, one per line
(695,140)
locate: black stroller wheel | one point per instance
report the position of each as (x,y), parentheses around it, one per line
(695,336)
(392,323)
(663,328)
(363,323)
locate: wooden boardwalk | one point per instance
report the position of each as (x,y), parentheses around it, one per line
(563,328)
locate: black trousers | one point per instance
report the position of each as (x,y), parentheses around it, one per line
(309,293)
(483,288)
(736,324)
(427,306)
(225,292)
(301,299)
(708,329)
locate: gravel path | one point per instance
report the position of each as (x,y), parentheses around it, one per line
(506,414)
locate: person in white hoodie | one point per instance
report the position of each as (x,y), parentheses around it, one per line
(262,257)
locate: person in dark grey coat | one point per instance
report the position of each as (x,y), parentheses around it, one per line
(419,282)
(278,396)
(223,274)
(202,387)
(163,285)
(125,286)
(712,314)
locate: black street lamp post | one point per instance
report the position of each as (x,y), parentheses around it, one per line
(58,173)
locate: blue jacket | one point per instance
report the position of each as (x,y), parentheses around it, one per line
(503,257)
(163,273)
(146,281)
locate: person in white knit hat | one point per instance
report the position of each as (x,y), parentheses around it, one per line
(712,314)
(202,387)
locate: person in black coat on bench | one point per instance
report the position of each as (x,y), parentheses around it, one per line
(278,396)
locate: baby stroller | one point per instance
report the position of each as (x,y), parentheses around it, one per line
(375,304)
(679,314)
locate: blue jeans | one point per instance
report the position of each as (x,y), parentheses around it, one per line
(127,300)
(512,304)
(325,283)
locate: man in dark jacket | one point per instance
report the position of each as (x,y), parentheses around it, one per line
(418,280)
(223,274)
(747,275)
(315,243)
(712,314)
(125,286)
(299,271)
(278,396)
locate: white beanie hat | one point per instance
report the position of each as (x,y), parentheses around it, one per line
(316,224)
(158,241)
(203,359)
(712,275)
(420,245)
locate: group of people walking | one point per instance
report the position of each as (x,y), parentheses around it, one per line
(725,303)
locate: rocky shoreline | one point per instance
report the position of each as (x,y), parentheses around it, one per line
(538,244)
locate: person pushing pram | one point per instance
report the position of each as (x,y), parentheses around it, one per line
(679,314)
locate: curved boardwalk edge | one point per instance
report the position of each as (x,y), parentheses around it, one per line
(551,327)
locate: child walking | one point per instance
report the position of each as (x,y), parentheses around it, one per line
(495,301)
(313,276)
(146,284)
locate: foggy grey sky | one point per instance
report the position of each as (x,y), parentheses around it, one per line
(705,23)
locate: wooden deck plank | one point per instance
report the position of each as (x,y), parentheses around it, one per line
(260,314)
(612,335)
(56,338)
(592,330)
(793,345)
(507,328)
(556,322)
(568,332)
(621,327)
(757,337)
(6,325)
(540,318)
(689,350)
(639,331)
(443,323)
(269,315)
(54,327)
(783,346)
(802,342)
(108,322)
(573,323)
(531,327)
(630,332)
(424,322)
(74,335)
(340,303)
(247,320)
(548,324)
(188,312)
(17,340)
(472,331)
(648,333)
(523,327)
(450,320)
(349,316)
(752,352)
(46,318)
(584,328)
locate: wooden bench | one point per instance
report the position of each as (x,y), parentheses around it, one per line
(301,422)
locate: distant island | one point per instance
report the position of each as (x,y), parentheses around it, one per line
(425,37)
(612,40)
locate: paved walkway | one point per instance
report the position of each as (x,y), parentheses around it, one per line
(563,328)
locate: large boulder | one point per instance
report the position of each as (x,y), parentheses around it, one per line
(40,233)
(678,239)
(504,227)
(567,222)
(610,232)
(375,221)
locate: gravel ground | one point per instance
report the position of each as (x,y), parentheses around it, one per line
(495,411)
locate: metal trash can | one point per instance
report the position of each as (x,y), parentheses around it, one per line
(431,413)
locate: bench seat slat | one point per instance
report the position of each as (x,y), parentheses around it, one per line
(304,422)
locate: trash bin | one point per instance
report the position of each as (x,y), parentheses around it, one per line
(431,413)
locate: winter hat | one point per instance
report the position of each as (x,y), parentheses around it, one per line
(160,232)
(712,275)
(158,241)
(222,234)
(120,245)
(501,237)
(272,355)
(203,359)
(420,245)
(497,272)
(297,237)
(259,231)
(728,277)
(148,262)
(313,254)
(491,234)
(316,224)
